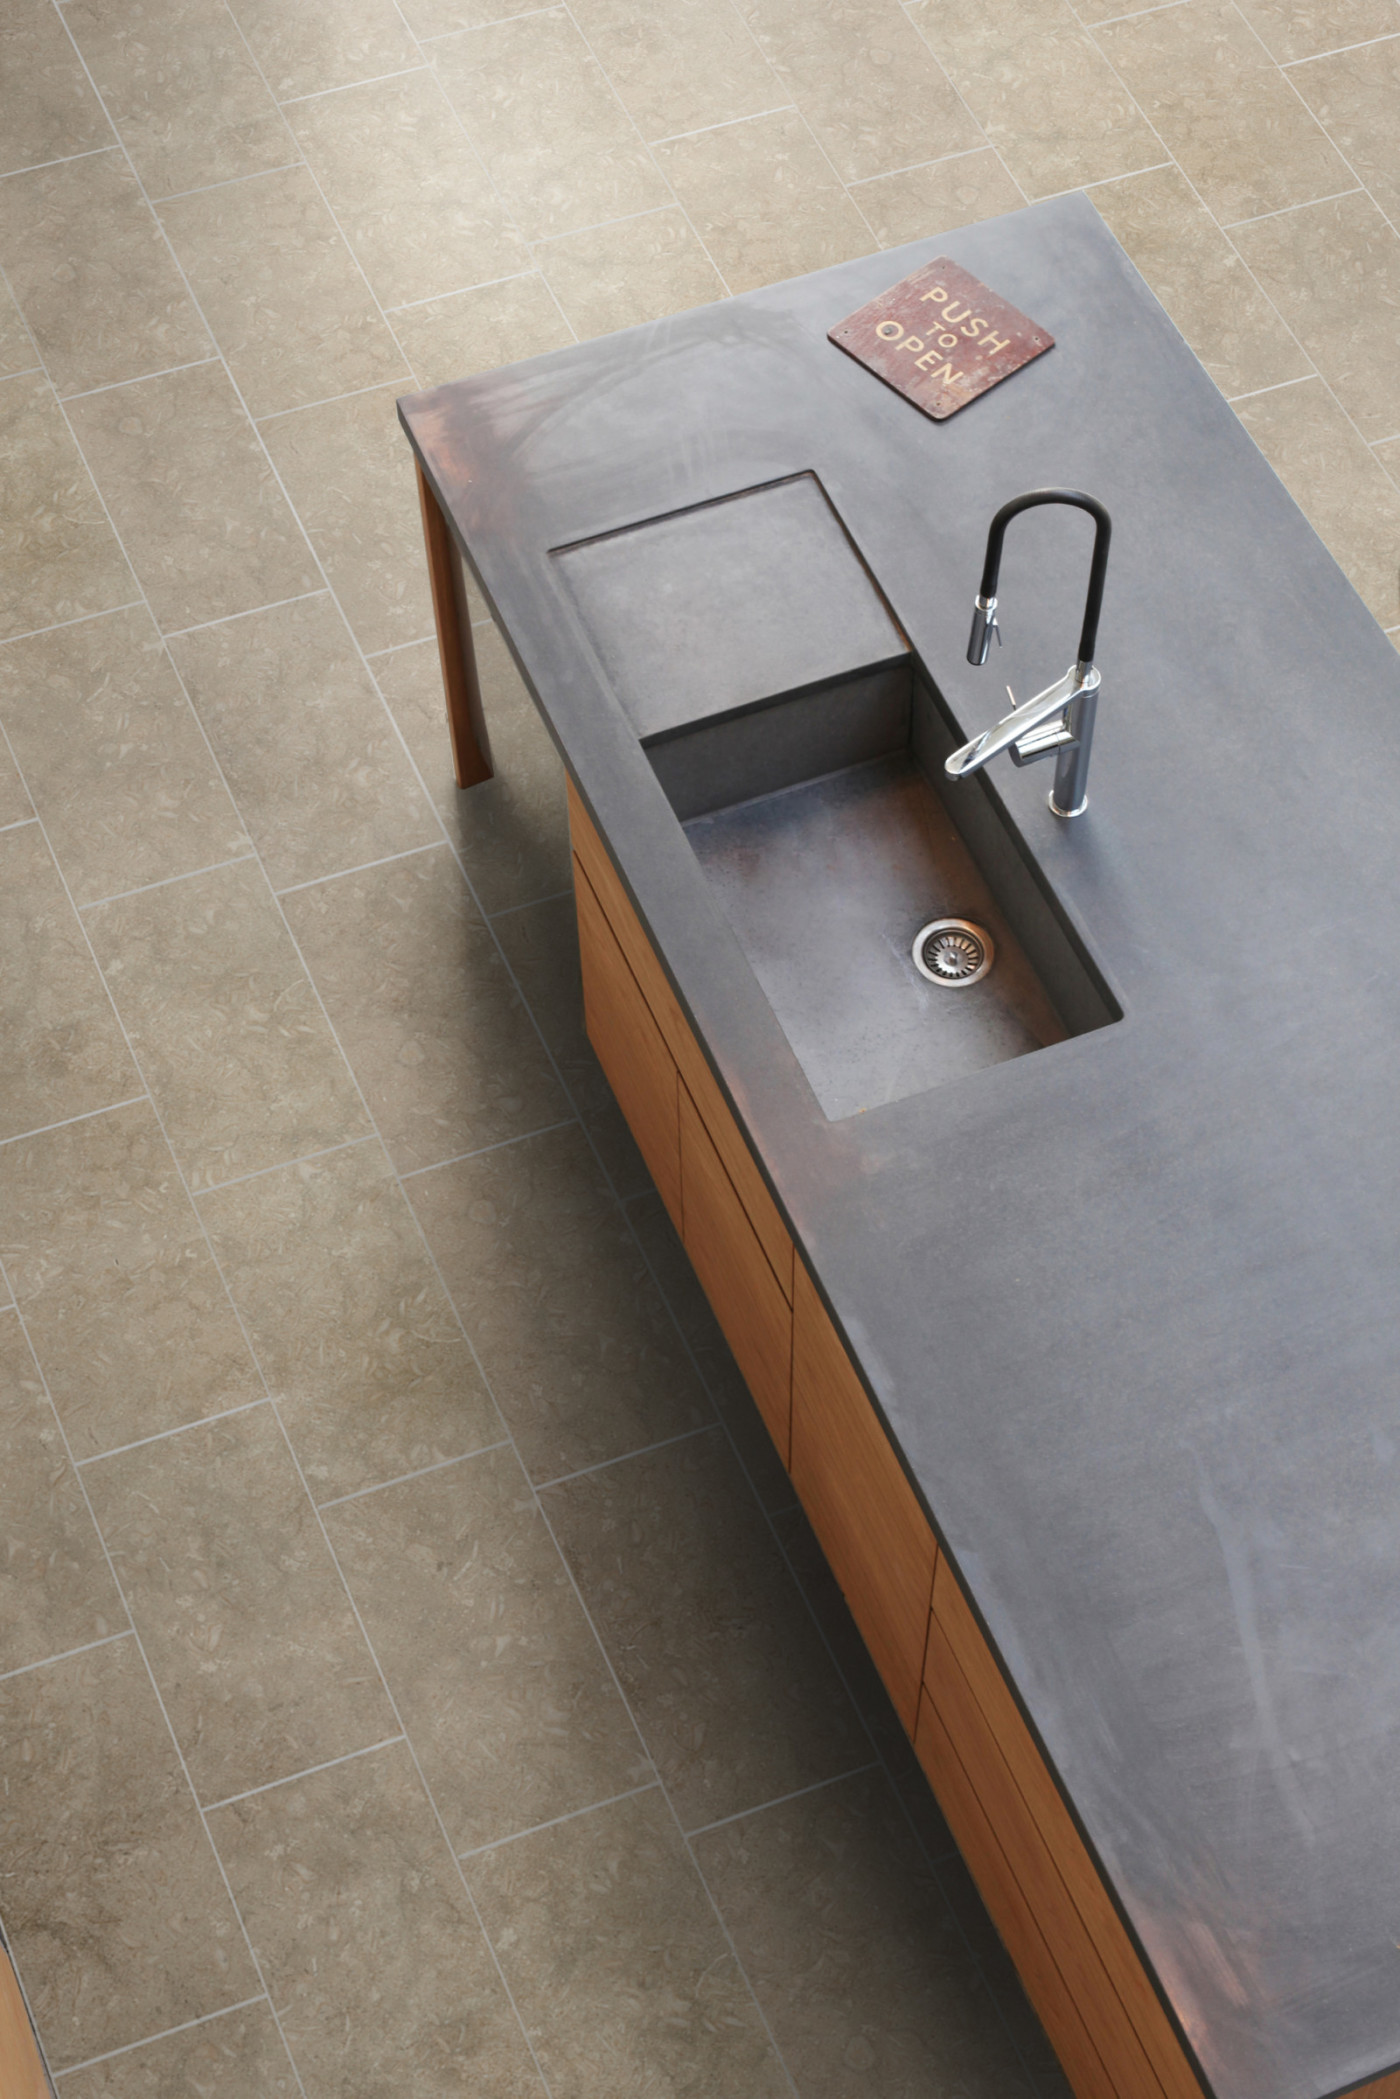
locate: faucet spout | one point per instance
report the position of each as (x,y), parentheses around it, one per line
(1060,720)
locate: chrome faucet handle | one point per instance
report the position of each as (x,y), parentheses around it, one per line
(1018,730)
(984,626)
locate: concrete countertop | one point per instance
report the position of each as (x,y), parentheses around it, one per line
(1128,1304)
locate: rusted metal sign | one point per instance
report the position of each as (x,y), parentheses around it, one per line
(940,338)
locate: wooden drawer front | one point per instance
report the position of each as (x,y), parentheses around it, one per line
(640,1068)
(755,1316)
(22,2074)
(1010,1911)
(729,1142)
(862,1508)
(1046,1853)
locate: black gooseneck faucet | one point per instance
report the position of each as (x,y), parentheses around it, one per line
(1058,722)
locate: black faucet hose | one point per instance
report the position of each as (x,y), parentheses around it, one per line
(1098,566)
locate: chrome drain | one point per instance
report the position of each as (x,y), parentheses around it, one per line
(952,951)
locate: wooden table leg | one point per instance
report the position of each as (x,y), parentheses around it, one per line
(22,2073)
(466,718)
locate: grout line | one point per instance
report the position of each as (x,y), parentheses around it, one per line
(250,612)
(671,138)
(1276,388)
(179,1428)
(1107,21)
(148,2040)
(347,87)
(191,364)
(626,218)
(801,1793)
(339,874)
(515,1836)
(63,160)
(1230,225)
(556,895)
(396,648)
(1104,181)
(939,160)
(166,881)
(485,284)
(236,1180)
(131,605)
(400,1479)
(569,1122)
(1340,50)
(624,1457)
(441,36)
(967,108)
(202,189)
(88,1646)
(88,1115)
(20,823)
(352,393)
(331,1763)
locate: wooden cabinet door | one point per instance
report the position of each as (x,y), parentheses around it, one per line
(22,2074)
(861,1506)
(742,1289)
(639,1067)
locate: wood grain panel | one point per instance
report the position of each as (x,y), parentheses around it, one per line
(1009,1910)
(1032,1784)
(862,1507)
(22,2074)
(640,1069)
(1037,1874)
(724,1131)
(466,716)
(755,1316)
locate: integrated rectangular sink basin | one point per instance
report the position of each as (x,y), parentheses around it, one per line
(801,745)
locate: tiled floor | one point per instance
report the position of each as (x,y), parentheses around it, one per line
(415,1678)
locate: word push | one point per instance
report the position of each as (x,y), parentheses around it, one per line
(940,338)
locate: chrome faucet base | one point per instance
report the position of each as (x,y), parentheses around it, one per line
(1055,810)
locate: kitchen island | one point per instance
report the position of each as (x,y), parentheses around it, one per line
(1085,1358)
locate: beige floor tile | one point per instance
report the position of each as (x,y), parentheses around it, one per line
(512,831)
(734,1403)
(480,329)
(58,554)
(1311,263)
(424,1007)
(114,1904)
(541,946)
(56,1589)
(124,1306)
(280,289)
(638,270)
(305,742)
(865,81)
(540,112)
(679,65)
(61,1049)
(409,193)
(617,1964)
(503,1690)
(232,1042)
(1224,110)
(1355,96)
(193,497)
(735,1695)
(348,469)
(763,198)
(17,351)
(1349,498)
(238,2055)
(351,1325)
(855,1955)
(15,805)
(1389,457)
(183,92)
(440,17)
(1041,91)
(244,1620)
(1198,276)
(572,1334)
(1295,29)
(47,106)
(921,202)
(93,274)
(370,1946)
(304,47)
(121,774)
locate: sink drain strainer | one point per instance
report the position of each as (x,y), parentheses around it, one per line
(952,951)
